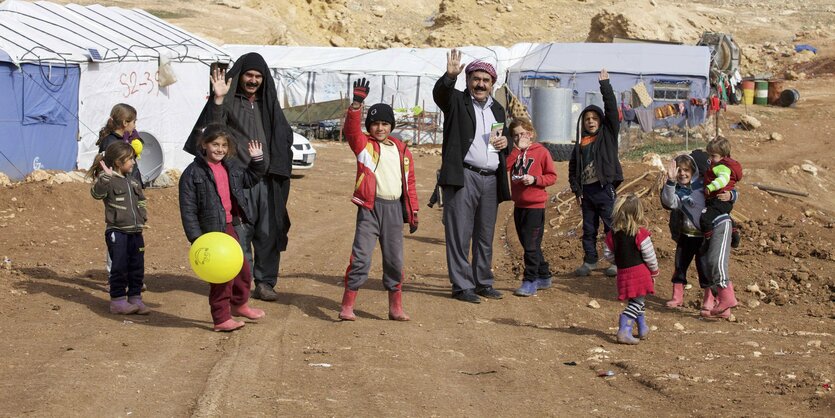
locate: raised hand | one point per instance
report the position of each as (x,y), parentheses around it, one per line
(255,149)
(361,89)
(672,170)
(107,170)
(220,85)
(453,63)
(604,75)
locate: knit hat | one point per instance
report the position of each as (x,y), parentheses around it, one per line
(379,111)
(481,66)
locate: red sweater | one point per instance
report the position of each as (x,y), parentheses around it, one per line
(535,161)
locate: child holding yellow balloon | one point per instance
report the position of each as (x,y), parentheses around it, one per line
(211,188)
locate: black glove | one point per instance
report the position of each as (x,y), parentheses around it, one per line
(361,89)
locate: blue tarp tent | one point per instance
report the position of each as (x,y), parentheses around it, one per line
(38,123)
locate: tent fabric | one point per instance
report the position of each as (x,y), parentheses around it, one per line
(43,32)
(403,77)
(37,118)
(627,58)
(46,38)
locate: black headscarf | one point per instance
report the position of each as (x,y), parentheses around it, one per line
(279,135)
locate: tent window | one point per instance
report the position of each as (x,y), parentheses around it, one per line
(671,91)
(529,83)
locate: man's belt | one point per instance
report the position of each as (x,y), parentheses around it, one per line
(482,171)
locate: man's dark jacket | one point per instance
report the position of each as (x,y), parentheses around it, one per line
(459,132)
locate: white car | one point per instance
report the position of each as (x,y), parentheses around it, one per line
(303,153)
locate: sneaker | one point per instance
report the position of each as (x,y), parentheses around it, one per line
(264,291)
(528,288)
(585,269)
(488,292)
(466,295)
(543,283)
(612,271)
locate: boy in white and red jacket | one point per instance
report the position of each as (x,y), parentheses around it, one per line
(531,171)
(386,198)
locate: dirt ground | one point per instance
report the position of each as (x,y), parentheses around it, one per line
(64,354)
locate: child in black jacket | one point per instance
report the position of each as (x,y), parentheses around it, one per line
(594,171)
(212,199)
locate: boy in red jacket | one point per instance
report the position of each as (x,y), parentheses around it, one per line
(386,198)
(531,171)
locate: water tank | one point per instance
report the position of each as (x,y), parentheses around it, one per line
(551,113)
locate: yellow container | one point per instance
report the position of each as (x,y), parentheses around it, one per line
(748,96)
(748,92)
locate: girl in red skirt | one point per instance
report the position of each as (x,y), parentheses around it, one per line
(629,247)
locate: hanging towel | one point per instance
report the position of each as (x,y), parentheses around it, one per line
(646,118)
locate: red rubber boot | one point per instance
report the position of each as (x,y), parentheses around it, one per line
(348,299)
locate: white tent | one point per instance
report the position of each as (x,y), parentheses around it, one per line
(403,77)
(118,52)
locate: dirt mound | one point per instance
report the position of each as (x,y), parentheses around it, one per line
(646,19)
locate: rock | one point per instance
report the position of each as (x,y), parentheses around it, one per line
(36,176)
(809,168)
(678,326)
(775,136)
(508,8)
(752,344)
(163,181)
(378,11)
(654,160)
(337,41)
(61,178)
(753,303)
(5,180)
(593,304)
(814,343)
(773,285)
(757,354)
(749,122)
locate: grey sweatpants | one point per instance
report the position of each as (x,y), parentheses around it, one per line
(718,253)
(470,217)
(385,223)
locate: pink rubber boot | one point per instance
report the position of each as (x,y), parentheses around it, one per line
(727,300)
(678,296)
(396,306)
(137,300)
(121,306)
(247,312)
(348,299)
(229,325)
(708,301)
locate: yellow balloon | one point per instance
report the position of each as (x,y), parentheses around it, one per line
(216,257)
(137,148)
